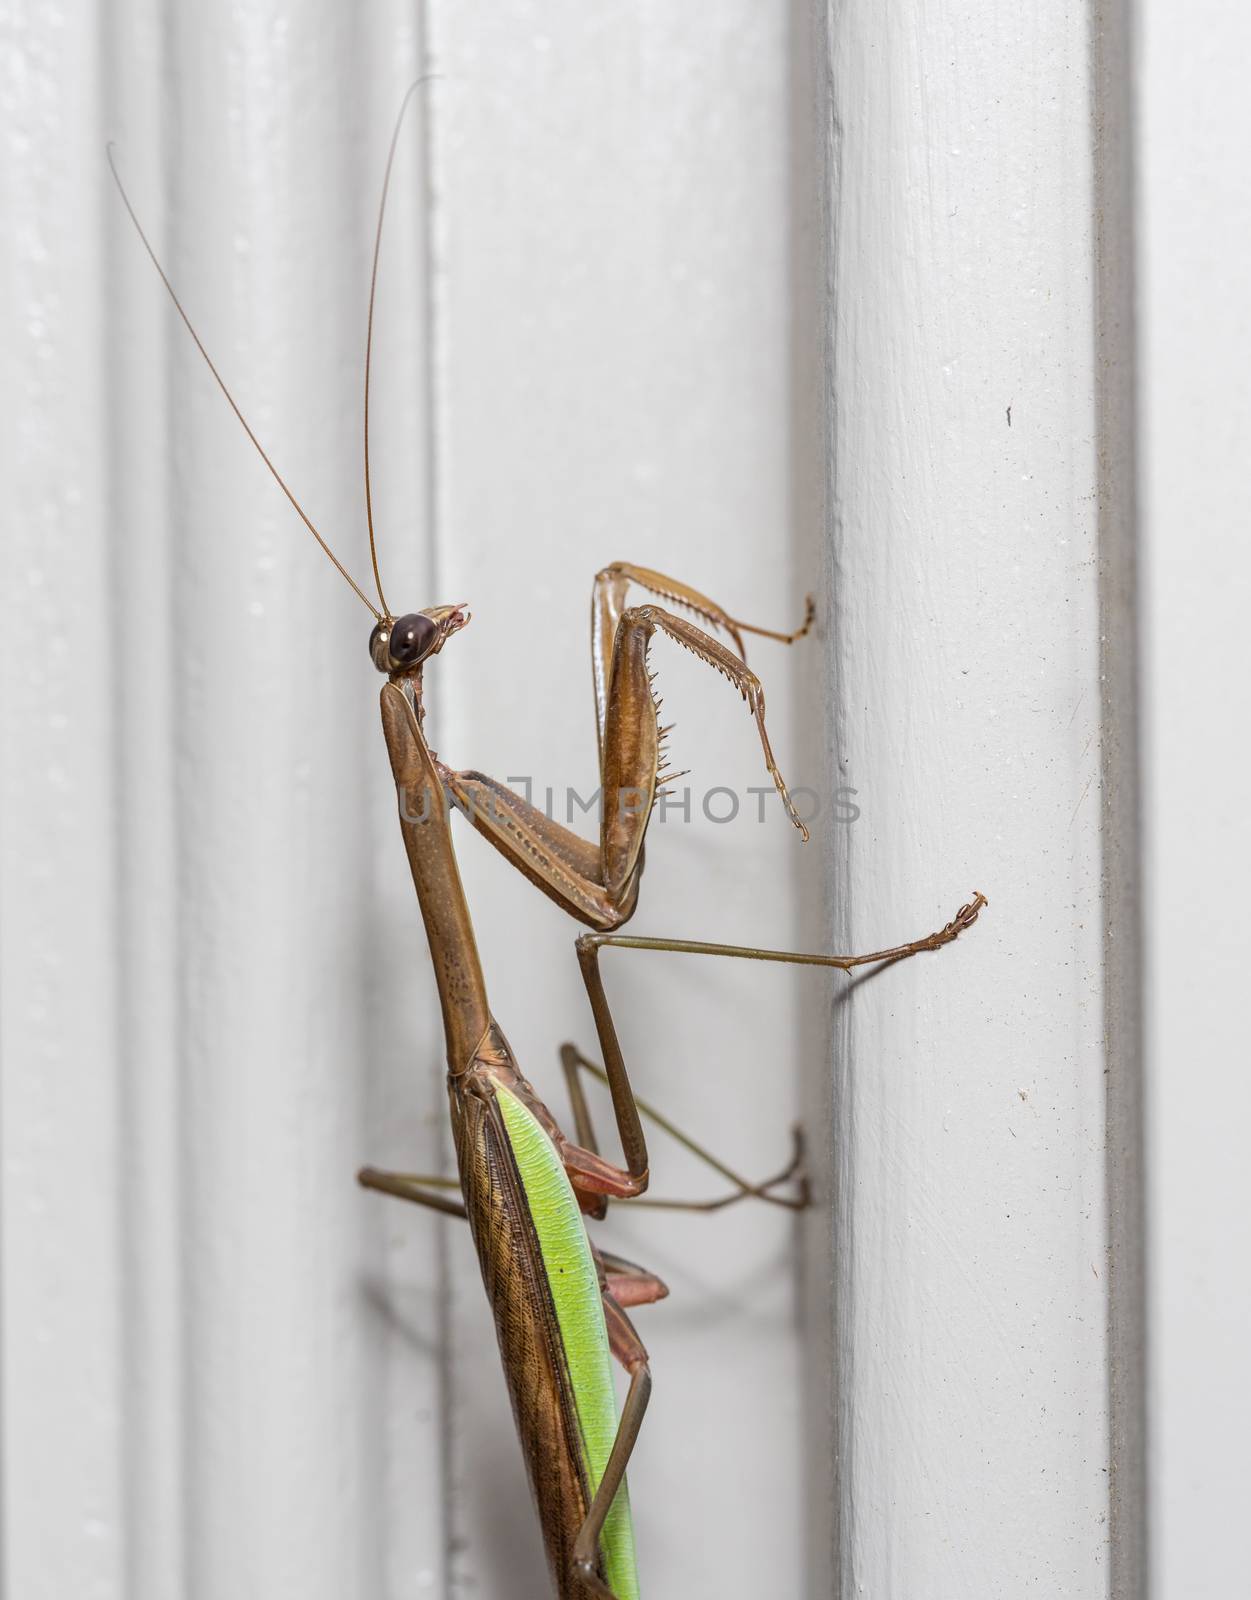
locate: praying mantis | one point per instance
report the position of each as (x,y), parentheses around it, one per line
(526,1188)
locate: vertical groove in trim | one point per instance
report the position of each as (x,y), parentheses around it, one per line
(1115,342)
(841,919)
(147,935)
(820,895)
(834,1218)
(144,559)
(173,176)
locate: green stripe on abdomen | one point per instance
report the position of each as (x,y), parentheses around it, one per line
(574,1285)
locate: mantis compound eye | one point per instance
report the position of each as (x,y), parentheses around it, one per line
(409,640)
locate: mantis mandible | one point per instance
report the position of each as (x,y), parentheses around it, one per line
(560,1304)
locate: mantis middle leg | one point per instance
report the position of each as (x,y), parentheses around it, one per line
(590,944)
(630,1351)
(582,1162)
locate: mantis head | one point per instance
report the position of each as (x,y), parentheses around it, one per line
(400,646)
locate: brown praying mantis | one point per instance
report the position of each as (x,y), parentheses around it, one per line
(560,1303)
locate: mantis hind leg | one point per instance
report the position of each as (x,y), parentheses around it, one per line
(421,1188)
(626,1282)
(630,1351)
(574,1064)
(622,1281)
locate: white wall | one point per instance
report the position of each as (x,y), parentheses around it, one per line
(1195,328)
(744,292)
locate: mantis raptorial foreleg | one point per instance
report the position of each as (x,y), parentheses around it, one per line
(608,606)
(598,884)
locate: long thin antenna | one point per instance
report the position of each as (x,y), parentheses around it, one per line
(221,384)
(369,329)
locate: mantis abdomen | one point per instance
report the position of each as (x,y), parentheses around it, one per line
(544,1290)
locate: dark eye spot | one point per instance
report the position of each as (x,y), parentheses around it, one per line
(411,638)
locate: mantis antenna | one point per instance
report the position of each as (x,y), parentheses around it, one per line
(221,384)
(369,327)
